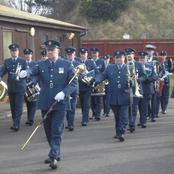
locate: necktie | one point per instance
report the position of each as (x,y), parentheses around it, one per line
(119,67)
(52,64)
(13,60)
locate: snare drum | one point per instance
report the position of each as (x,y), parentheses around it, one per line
(32,94)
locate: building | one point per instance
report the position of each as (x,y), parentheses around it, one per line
(29,30)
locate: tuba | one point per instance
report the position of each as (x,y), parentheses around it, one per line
(3,90)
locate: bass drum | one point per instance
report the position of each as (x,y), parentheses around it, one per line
(159,86)
(3,90)
(32,94)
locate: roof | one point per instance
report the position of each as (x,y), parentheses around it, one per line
(10,12)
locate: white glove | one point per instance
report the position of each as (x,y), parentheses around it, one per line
(23,74)
(60,96)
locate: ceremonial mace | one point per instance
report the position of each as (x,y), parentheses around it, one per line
(80,69)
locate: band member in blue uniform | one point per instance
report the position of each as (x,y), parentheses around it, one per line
(44,55)
(106,106)
(157,95)
(148,88)
(70,54)
(96,101)
(16,86)
(150,49)
(140,76)
(85,90)
(55,74)
(31,105)
(120,89)
(166,83)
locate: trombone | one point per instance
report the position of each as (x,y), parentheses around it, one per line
(80,68)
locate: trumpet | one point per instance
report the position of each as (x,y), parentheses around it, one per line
(106,82)
(18,69)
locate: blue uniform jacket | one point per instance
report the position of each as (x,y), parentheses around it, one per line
(75,64)
(31,64)
(148,88)
(118,84)
(166,81)
(13,85)
(100,64)
(78,59)
(54,80)
(90,65)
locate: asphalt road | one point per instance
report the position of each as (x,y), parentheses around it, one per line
(91,149)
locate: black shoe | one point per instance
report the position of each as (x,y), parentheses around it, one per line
(164,112)
(98,119)
(53,164)
(147,118)
(47,161)
(15,128)
(107,115)
(132,129)
(116,136)
(84,123)
(29,123)
(67,127)
(157,116)
(153,120)
(143,125)
(92,117)
(121,137)
(71,128)
(104,114)
(139,124)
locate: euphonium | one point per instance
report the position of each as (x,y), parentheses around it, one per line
(3,90)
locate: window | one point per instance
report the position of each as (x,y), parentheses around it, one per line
(7,40)
(58,38)
(43,38)
(70,42)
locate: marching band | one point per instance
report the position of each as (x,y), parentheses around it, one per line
(128,86)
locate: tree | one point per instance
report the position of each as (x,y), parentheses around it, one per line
(103,9)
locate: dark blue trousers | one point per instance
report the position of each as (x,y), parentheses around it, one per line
(106,105)
(54,127)
(158,102)
(143,106)
(31,109)
(85,104)
(134,111)
(71,113)
(165,98)
(121,118)
(96,105)
(16,105)
(154,105)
